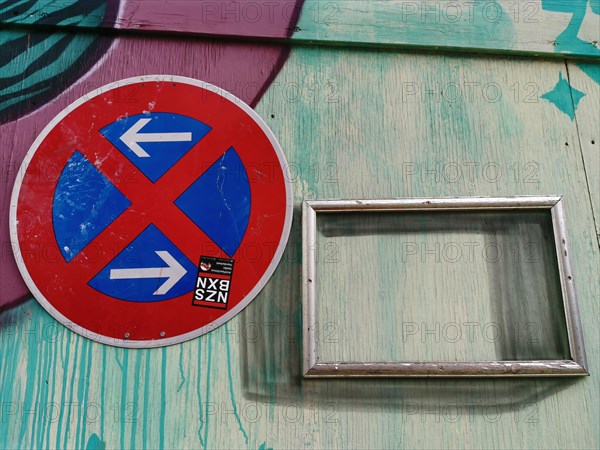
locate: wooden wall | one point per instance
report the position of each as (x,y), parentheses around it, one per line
(368,99)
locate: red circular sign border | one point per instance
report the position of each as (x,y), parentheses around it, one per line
(158,341)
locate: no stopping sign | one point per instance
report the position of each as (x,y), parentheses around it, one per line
(151,211)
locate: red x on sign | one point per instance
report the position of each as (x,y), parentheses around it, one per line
(169,210)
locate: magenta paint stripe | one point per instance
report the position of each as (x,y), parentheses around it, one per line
(262,18)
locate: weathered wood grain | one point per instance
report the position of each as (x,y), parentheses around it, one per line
(585,77)
(352,123)
(539,27)
(548,27)
(266,19)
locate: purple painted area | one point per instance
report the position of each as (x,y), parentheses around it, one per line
(246,70)
(260,18)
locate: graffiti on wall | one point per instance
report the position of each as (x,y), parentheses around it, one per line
(42,71)
(569,40)
(36,67)
(564,96)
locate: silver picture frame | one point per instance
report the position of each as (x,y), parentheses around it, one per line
(313,367)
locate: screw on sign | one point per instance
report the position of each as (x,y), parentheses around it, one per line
(154,205)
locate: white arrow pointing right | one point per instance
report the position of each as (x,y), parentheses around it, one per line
(133,137)
(173,272)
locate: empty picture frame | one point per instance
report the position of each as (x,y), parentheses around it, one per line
(313,367)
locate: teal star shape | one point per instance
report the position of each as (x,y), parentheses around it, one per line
(565,97)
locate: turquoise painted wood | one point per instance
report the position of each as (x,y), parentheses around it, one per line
(547,27)
(352,123)
(564,28)
(586,79)
(438,287)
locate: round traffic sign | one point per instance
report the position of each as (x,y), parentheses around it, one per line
(151,211)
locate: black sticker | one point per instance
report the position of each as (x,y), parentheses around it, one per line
(213,282)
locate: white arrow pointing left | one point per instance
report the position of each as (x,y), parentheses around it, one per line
(173,272)
(133,137)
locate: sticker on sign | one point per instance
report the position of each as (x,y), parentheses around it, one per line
(152,211)
(214,282)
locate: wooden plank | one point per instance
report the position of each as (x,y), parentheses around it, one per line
(352,124)
(265,19)
(585,78)
(540,27)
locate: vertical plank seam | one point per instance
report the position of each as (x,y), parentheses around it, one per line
(587,180)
